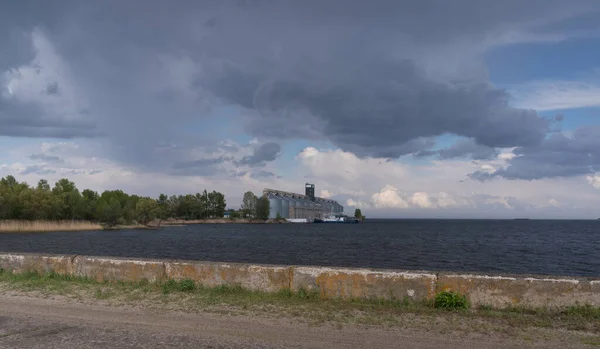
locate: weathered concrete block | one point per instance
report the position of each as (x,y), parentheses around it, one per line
(595,286)
(256,277)
(494,290)
(118,269)
(503,291)
(364,283)
(26,262)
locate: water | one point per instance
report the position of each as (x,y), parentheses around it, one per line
(524,247)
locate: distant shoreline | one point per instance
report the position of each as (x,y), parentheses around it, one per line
(23,226)
(222,221)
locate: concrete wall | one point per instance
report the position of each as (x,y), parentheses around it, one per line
(494,290)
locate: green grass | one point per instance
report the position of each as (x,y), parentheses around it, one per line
(305,305)
(449,300)
(591,341)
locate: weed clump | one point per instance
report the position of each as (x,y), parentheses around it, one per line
(450,300)
(187,285)
(178,286)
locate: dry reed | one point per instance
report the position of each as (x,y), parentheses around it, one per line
(13,226)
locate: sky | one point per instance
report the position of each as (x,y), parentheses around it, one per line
(405,109)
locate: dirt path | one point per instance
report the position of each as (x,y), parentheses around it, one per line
(27,322)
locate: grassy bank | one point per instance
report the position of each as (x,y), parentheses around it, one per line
(14,226)
(309,307)
(20,226)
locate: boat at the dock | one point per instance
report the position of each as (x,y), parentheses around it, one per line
(337,218)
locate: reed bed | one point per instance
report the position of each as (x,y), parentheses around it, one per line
(14,226)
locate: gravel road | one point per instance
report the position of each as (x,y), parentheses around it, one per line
(27,322)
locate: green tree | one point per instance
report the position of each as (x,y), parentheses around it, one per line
(38,205)
(11,203)
(89,203)
(9,181)
(249,202)
(64,201)
(146,210)
(109,211)
(358,214)
(164,210)
(217,204)
(126,208)
(129,210)
(263,208)
(68,197)
(43,185)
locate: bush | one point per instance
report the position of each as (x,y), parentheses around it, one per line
(450,300)
(178,286)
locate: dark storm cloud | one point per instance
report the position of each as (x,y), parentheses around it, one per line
(84,172)
(45,157)
(20,120)
(393,104)
(463,147)
(389,151)
(37,169)
(47,132)
(262,154)
(378,78)
(52,89)
(201,167)
(206,162)
(556,156)
(263,174)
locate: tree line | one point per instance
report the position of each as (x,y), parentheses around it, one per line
(64,201)
(255,207)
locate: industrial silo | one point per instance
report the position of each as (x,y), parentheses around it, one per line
(294,202)
(285,207)
(274,205)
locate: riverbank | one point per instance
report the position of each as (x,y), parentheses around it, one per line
(18,226)
(573,327)
(21,226)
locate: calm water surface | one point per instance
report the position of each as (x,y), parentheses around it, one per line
(538,247)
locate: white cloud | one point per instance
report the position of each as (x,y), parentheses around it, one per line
(389,197)
(502,201)
(325,193)
(553,203)
(506,154)
(440,188)
(344,173)
(358,203)
(594,180)
(445,200)
(341,165)
(421,200)
(46,81)
(556,95)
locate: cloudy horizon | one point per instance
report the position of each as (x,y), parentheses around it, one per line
(405,109)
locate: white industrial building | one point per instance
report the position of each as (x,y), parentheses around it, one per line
(297,206)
